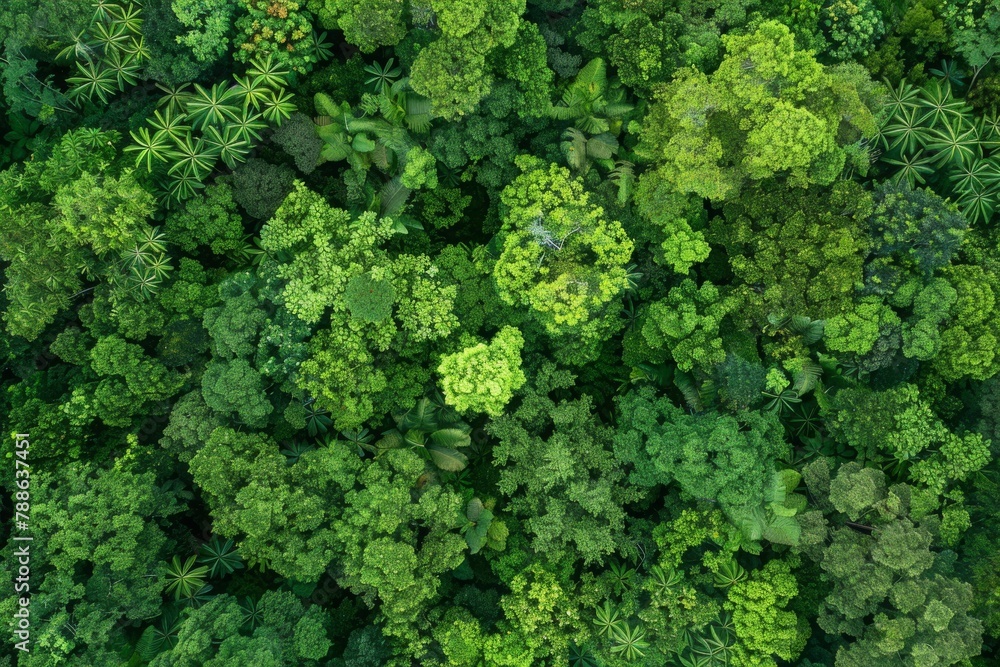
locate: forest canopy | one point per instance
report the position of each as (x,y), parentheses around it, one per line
(500,333)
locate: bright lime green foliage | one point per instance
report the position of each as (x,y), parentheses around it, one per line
(105,214)
(460,636)
(768,110)
(323,243)
(483,378)
(561,257)
(858,330)
(420,170)
(686,325)
(764,627)
(330,249)
(329,254)
(542,612)
(970,339)
(675,215)
(953,323)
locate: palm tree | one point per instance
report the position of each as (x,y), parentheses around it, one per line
(94,79)
(213,106)
(590,102)
(269,72)
(229,145)
(148,147)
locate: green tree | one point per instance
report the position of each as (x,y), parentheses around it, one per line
(390,535)
(899,423)
(541,616)
(888,590)
(556,466)
(69,217)
(452,71)
(368,25)
(729,459)
(685,325)
(283,633)
(235,388)
(331,266)
(796,252)
(560,256)
(483,378)
(210,220)
(769,110)
(209,23)
(918,229)
(99,573)
(678,220)
(764,627)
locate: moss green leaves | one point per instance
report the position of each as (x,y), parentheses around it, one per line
(369,299)
(685,325)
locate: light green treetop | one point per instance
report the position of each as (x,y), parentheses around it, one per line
(769,109)
(483,378)
(561,257)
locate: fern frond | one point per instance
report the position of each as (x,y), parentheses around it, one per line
(617,109)
(623,175)
(686,386)
(392,197)
(805,379)
(574,147)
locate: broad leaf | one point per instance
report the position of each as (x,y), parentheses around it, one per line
(447,458)
(451,437)
(474,509)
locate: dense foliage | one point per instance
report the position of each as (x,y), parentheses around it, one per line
(502,333)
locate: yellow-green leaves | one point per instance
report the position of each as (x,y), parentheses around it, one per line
(561,257)
(483,378)
(769,110)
